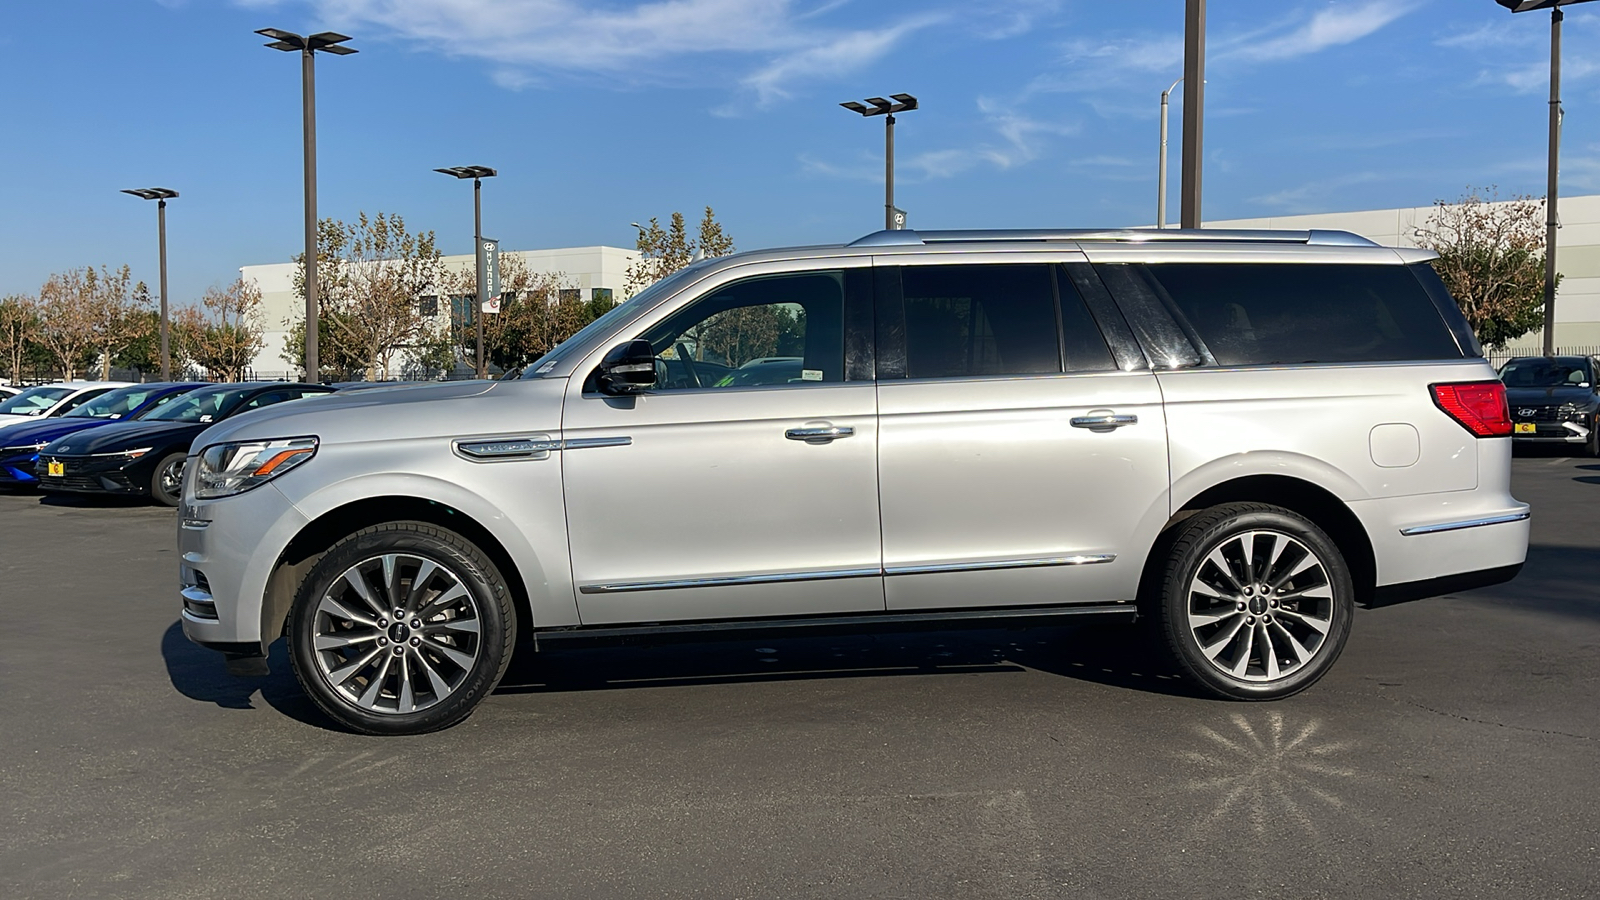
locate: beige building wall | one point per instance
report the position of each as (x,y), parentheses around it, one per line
(584,268)
(1577,258)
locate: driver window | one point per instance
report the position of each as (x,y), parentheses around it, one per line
(770,330)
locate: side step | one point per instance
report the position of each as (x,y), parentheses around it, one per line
(861,623)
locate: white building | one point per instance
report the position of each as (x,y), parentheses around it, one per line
(1577,259)
(591,271)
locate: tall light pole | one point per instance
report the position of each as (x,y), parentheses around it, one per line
(1161,164)
(307,47)
(1553,163)
(161,196)
(1194,105)
(477,174)
(877,106)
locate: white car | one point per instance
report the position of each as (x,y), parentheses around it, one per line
(7,392)
(48,400)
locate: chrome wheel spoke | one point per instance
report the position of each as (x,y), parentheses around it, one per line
(408,699)
(337,610)
(1316,624)
(1242,664)
(1269,652)
(419,582)
(1214,649)
(345,639)
(468,626)
(458,592)
(342,674)
(369,697)
(1216,558)
(440,687)
(1212,617)
(358,583)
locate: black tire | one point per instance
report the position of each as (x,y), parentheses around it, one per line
(164,488)
(1210,618)
(439,645)
(1592,448)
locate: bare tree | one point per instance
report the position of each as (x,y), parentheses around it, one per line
(373,274)
(227,336)
(19,326)
(663,251)
(1491,257)
(68,318)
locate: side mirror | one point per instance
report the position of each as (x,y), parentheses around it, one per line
(627,369)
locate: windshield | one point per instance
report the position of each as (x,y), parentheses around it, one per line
(1545,373)
(201,406)
(644,298)
(35,401)
(114,405)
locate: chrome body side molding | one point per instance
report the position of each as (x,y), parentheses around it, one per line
(827,574)
(533,446)
(1465,523)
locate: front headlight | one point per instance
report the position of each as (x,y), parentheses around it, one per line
(227,469)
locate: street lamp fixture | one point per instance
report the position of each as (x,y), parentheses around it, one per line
(477,174)
(161,196)
(1553,162)
(1161,165)
(893,218)
(308,46)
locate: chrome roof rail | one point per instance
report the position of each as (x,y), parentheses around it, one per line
(1122,235)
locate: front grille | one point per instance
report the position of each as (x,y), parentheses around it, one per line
(82,473)
(1536,413)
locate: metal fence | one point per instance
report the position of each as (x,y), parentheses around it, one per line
(1499,359)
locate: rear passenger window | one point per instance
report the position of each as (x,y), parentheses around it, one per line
(1253,314)
(965,320)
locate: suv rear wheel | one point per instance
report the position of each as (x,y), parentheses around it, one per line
(1256,601)
(401,628)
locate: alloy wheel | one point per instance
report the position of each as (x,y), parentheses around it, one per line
(396,633)
(1260,605)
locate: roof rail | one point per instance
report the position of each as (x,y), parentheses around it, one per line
(906,237)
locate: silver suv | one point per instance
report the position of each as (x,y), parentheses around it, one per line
(1238,435)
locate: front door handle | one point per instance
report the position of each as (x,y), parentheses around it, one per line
(821,434)
(1106,421)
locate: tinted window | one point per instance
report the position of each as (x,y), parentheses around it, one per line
(114,405)
(34,401)
(204,405)
(779,329)
(1538,371)
(1253,314)
(979,320)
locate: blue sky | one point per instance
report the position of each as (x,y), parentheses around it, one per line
(1034,113)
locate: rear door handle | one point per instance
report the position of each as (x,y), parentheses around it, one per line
(821,434)
(1107,421)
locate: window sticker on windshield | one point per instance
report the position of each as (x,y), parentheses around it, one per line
(206,417)
(810,374)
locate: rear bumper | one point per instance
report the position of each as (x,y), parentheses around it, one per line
(1448,584)
(1442,536)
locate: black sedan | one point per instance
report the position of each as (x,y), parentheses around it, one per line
(1554,399)
(145,458)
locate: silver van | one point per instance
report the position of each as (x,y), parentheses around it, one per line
(1237,435)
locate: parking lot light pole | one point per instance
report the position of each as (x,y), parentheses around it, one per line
(307,47)
(1161,164)
(477,174)
(161,196)
(1553,162)
(1194,107)
(893,218)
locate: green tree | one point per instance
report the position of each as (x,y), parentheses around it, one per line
(371,275)
(1491,257)
(663,251)
(226,337)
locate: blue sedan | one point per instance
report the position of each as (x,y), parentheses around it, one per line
(19,444)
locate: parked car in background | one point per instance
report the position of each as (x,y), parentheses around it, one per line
(7,392)
(145,457)
(20,444)
(1240,435)
(52,400)
(1554,400)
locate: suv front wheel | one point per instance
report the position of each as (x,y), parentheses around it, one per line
(401,628)
(1256,601)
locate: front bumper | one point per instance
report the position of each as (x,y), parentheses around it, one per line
(87,474)
(1553,428)
(16,468)
(228,549)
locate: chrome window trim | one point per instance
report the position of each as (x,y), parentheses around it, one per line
(1466,523)
(620,587)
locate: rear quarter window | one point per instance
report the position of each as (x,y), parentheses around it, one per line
(1286,314)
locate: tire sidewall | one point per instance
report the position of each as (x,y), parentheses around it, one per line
(156,493)
(1205,534)
(478,574)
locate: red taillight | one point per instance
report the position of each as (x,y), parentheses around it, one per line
(1480,406)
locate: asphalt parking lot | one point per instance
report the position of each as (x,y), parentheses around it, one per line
(1451,752)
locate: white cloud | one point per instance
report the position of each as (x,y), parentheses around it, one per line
(1016,140)
(845,53)
(1331,27)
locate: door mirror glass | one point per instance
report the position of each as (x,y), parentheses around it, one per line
(627,369)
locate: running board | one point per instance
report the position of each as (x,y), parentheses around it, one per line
(722,629)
